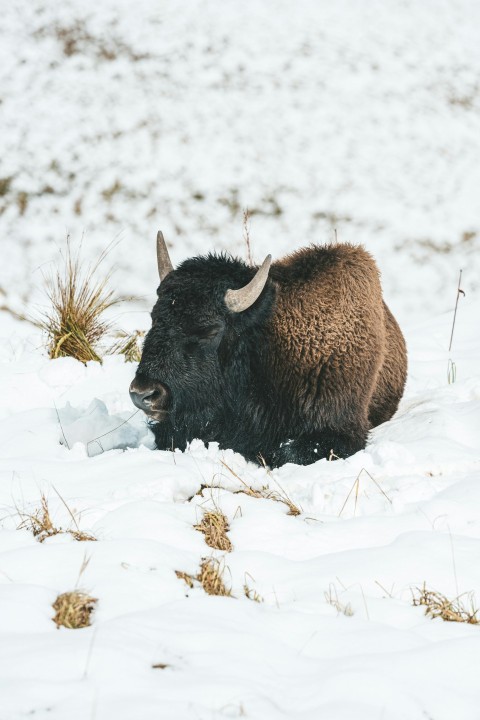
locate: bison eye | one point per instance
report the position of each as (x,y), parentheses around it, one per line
(205,332)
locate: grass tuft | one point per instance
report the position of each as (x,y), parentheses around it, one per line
(73,609)
(438,605)
(210,577)
(74,324)
(215,526)
(41,525)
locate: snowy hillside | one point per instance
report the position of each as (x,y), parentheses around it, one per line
(118,118)
(335,634)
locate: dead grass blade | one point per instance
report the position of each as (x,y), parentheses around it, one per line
(73,609)
(73,325)
(215,526)
(438,605)
(331,596)
(265,493)
(249,592)
(356,487)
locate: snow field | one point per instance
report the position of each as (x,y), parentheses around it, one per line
(372,529)
(119,119)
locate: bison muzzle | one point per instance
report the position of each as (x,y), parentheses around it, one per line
(290,362)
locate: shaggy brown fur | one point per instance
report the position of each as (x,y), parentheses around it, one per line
(335,348)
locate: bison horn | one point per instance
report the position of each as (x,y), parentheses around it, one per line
(163,258)
(242,299)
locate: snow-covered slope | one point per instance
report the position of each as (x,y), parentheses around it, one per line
(118,118)
(372,529)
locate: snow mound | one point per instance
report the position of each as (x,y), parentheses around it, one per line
(99,431)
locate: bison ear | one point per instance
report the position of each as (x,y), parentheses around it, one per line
(163,258)
(239,300)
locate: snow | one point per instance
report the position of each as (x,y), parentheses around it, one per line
(118,118)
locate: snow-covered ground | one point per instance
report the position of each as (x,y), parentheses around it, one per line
(411,518)
(118,118)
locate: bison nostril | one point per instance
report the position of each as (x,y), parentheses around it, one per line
(142,400)
(148,398)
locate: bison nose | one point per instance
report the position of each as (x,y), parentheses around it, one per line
(150,398)
(142,400)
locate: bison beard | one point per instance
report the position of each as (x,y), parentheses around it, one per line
(297,367)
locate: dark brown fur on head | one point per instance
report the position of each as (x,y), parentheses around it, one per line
(301,374)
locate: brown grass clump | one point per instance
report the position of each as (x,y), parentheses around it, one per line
(42,527)
(215,526)
(129,346)
(73,325)
(438,605)
(210,577)
(73,609)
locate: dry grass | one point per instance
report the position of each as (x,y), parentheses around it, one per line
(331,596)
(210,577)
(356,487)
(73,609)
(246,236)
(74,324)
(129,346)
(250,592)
(189,579)
(41,525)
(461,609)
(215,526)
(266,493)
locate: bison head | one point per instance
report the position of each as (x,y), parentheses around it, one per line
(195,358)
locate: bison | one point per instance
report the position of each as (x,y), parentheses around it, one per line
(290,362)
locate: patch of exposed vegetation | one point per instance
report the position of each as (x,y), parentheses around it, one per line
(41,525)
(210,577)
(462,608)
(214,526)
(76,39)
(5,184)
(73,609)
(74,325)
